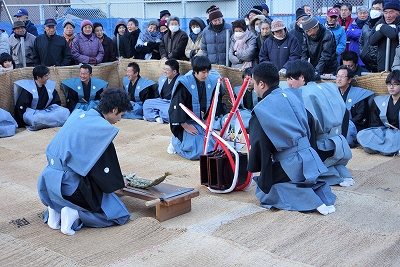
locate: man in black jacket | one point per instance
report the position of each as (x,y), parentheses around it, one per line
(129,39)
(51,49)
(386,27)
(320,47)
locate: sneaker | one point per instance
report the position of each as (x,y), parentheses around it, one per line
(171,149)
(347,182)
(159,120)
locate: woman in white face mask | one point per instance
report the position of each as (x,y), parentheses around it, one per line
(193,47)
(243,46)
(174,42)
(253,26)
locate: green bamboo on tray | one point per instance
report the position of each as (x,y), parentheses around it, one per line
(139,182)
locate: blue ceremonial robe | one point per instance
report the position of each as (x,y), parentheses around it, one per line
(81,159)
(79,101)
(187,145)
(136,101)
(325,104)
(158,107)
(37,114)
(280,150)
(7,124)
(382,139)
(358,111)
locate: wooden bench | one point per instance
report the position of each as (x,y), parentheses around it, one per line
(168,208)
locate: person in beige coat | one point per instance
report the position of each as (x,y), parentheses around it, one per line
(193,47)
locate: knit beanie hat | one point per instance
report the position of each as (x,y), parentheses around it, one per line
(86,22)
(214,13)
(309,23)
(391,5)
(164,12)
(68,21)
(300,13)
(277,24)
(240,23)
(162,22)
(264,6)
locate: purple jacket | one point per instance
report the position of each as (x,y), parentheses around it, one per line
(353,33)
(83,48)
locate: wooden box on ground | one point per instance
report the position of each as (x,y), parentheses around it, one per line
(168,208)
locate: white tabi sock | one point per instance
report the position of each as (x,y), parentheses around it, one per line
(54,220)
(323,209)
(331,209)
(347,182)
(68,217)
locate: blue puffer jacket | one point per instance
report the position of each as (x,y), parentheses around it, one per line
(280,55)
(213,44)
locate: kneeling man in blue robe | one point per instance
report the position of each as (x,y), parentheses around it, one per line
(195,90)
(37,103)
(83,92)
(139,90)
(280,149)
(83,170)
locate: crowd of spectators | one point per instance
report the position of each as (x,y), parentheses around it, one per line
(363,30)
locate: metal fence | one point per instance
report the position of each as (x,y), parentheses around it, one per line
(144,10)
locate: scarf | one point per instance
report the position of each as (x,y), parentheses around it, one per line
(154,37)
(19,36)
(87,35)
(69,39)
(217,28)
(193,36)
(240,44)
(360,23)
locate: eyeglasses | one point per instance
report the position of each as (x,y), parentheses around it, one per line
(392,84)
(341,76)
(167,70)
(376,8)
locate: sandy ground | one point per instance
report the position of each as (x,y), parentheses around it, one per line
(221,230)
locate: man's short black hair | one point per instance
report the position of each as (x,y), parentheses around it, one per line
(350,7)
(378,2)
(301,67)
(266,72)
(134,66)
(350,73)
(173,63)
(135,21)
(40,71)
(114,98)
(393,76)
(201,63)
(88,67)
(350,56)
(97,24)
(247,72)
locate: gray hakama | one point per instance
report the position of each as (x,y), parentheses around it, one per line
(73,158)
(382,139)
(325,104)
(137,104)
(7,124)
(280,147)
(158,107)
(35,119)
